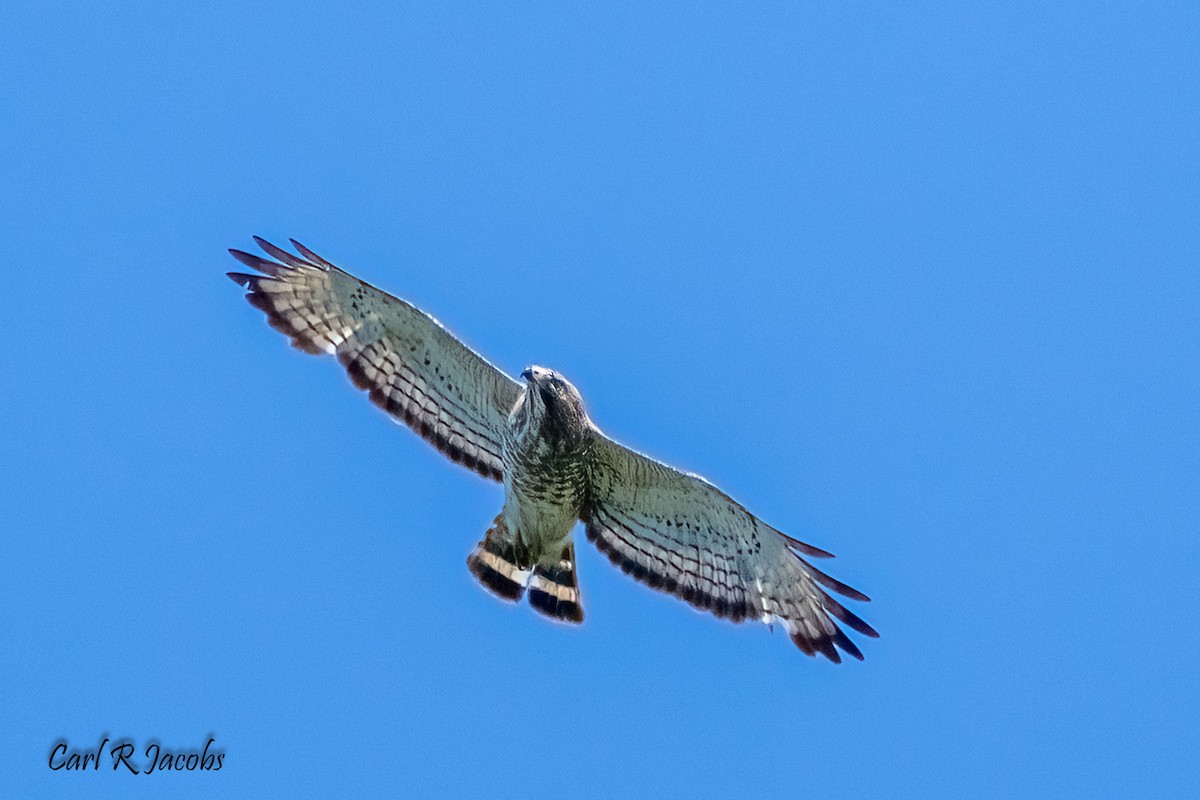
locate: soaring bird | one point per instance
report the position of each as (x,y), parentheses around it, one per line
(670,529)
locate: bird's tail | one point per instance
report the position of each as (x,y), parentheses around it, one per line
(495,563)
(553,590)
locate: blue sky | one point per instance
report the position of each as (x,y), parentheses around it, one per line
(917,284)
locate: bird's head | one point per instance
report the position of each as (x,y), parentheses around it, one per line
(553,398)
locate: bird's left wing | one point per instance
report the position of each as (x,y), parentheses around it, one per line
(413,368)
(678,533)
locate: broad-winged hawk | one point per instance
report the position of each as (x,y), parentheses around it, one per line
(670,529)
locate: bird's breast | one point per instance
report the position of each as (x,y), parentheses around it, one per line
(542,473)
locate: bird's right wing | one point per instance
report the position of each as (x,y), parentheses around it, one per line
(678,533)
(412,367)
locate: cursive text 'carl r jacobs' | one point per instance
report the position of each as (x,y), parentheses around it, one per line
(156,758)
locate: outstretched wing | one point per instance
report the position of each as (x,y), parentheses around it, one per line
(413,367)
(678,533)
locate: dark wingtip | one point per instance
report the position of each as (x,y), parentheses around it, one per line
(843,641)
(240,278)
(804,645)
(280,254)
(839,611)
(310,255)
(249,259)
(257,262)
(805,547)
(824,646)
(835,584)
